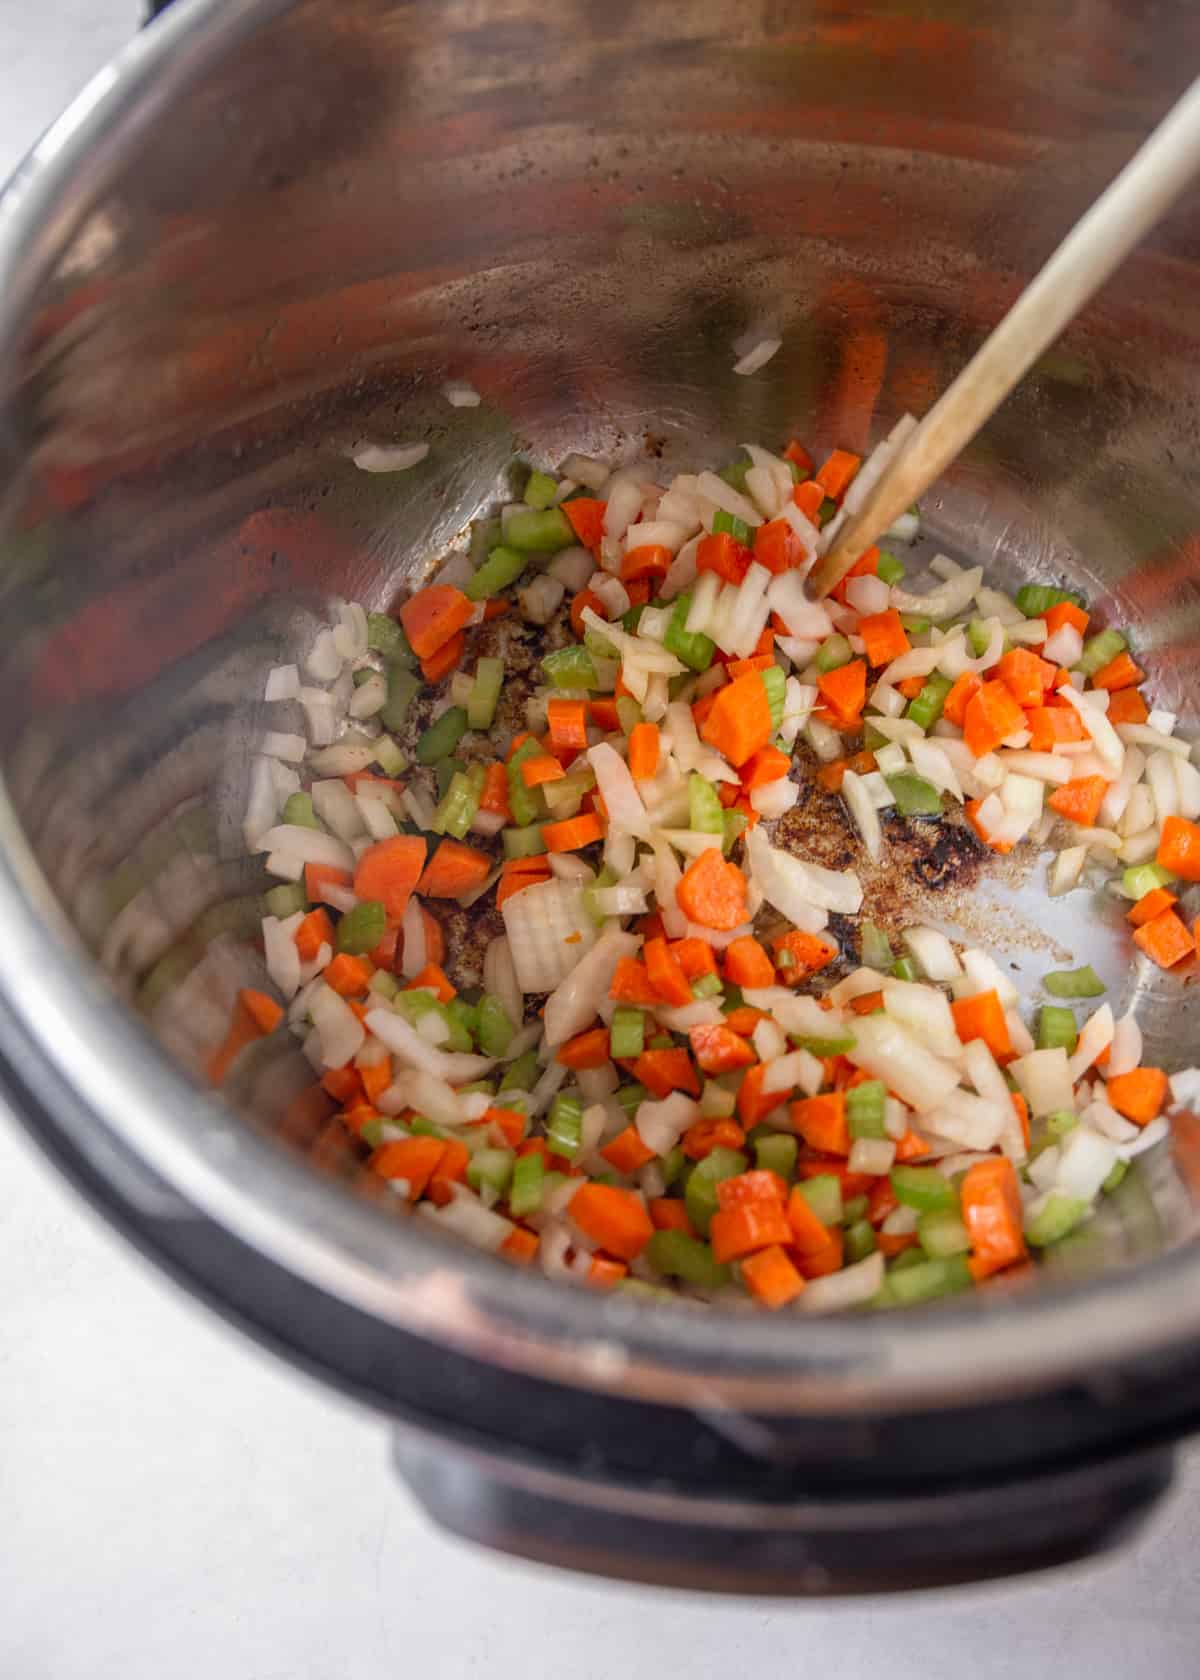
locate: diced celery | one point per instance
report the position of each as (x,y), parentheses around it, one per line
(540,491)
(826,512)
(706,986)
(942,1233)
(502,567)
(904,968)
(833,652)
(685,1257)
(926,709)
(521,1074)
(672,1164)
(535,531)
(1113,1181)
(856,1208)
(570,667)
(441,738)
(564,1130)
(693,647)
(495,1029)
(383,983)
(630,1096)
(860,1241)
(444,772)
(889,570)
(361,929)
(627,1032)
(1074,983)
(916,624)
(1036,598)
(929,1280)
(465,1014)
(705,813)
(386,636)
(284,900)
(403,688)
(775,684)
(735,474)
(1099,650)
(388,756)
(865,1109)
(629,713)
(1061,1122)
(528,1184)
(523,801)
(493,1167)
(979,636)
(736,528)
(523,842)
(1057,1216)
(1056,1027)
(836,1044)
(776,1152)
(823,1193)
(733,826)
(1141,878)
(460,804)
(700,1197)
(298,811)
(914,796)
(599,646)
(876,948)
(485,693)
(924,1188)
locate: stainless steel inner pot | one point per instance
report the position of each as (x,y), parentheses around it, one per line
(275,229)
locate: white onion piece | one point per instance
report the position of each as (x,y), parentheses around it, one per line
(1085,1160)
(871,1155)
(715,490)
(590,472)
(1140,734)
(838,1291)
(540,599)
(334,805)
(575,1003)
(374,458)
(340,1030)
(656,533)
(1108,742)
(758,357)
(660,1125)
(618,789)
(784,883)
(624,503)
(924,1011)
(309,844)
(414,955)
(1094,1038)
(1045,1080)
(803,617)
(1067,870)
(867,595)
(772,799)
(1064,647)
(1126,1050)
(572,567)
(466,1218)
(887,1051)
(405,1042)
(947,601)
(1108,1122)
(933,953)
(861,806)
(548,931)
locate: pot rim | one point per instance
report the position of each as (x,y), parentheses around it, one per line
(68,1035)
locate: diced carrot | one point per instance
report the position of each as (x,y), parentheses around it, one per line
(991,1209)
(638,590)
(586,1050)
(990,717)
(746,1228)
(627,1152)
(808,498)
(910,1147)
(1165,939)
(1050,725)
(413,1159)
(694,956)
(650,926)
(769,764)
(891,1243)
(572,834)
(433,979)
(724,555)
(319,876)
(432,616)
(735,668)
(821,1122)
(668,1213)
(343,1084)
(581,604)
(651,560)
(383,955)
(757,1186)
(1120,672)
(712,892)
(704,1136)
(1080,799)
(883,636)
(867,1003)
(826,1259)
(845,690)
(347,975)
(852,1183)
(605,1273)
(568,726)
(1021,1110)
(1151,904)
(1025,676)
(389,871)
(747,964)
(494,796)
(262,1008)
(867,565)
(603,713)
(809,954)
(314,931)
(376,1078)
(771,1277)
(451,1169)
(777,547)
(809,1235)
(495,608)
(881,1200)
(971,812)
(664,1071)
(440,663)
(1179,848)
(666,976)
(518,874)
(799,456)
(963,691)
(506,1124)
(743,1020)
(452,870)
(520,1246)
(643,751)
(739,722)
(1139,1095)
(982,1016)
(541,768)
(1064,612)
(753,1102)
(614,1219)
(586,517)
(834,477)
(631,984)
(1127,706)
(717,1049)
(910,687)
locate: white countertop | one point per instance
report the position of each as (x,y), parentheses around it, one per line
(175,1505)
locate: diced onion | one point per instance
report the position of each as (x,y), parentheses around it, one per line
(375,458)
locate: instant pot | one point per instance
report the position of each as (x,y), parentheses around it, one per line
(273,229)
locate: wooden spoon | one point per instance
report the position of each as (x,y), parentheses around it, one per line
(1146,187)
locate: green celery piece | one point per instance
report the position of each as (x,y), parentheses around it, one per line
(528,1184)
(1061,1122)
(538,532)
(776,1153)
(541,491)
(521,1074)
(631,1097)
(693,647)
(522,800)
(924,1188)
(823,1193)
(629,713)
(444,772)
(775,684)
(876,948)
(493,1167)
(386,636)
(1056,1027)
(672,1164)
(599,646)
(606,878)
(361,929)
(865,1109)
(705,812)
(687,1258)
(942,1233)
(735,474)
(1036,598)
(466,1014)
(298,811)
(706,986)
(1075,983)
(502,567)
(403,688)
(495,1029)
(890,570)
(389,757)
(1113,1181)
(631,618)
(627,1032)
(442,737)
(1098,650)
(385,984)
(915,624)
(485,536)
(860,1241)
(700,1197)
(412,1005)
(835,1045)
(485,693)
(733,826)
(926,709)
(564,1130)
(904,968)
(458,807)
(908,1258)
(1058,1216)
(826,512)
(855,1209)
(930,1279)
(523,842)
(284,900)
(914,796)
(735,527)
(834,652)
(1141,878)
(979,636)
(570,667)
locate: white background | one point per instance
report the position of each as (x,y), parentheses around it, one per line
(176,1506)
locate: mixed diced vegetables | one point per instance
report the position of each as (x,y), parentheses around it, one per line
(673,1078)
